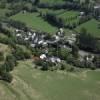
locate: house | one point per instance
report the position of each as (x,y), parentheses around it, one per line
(33,36)
(40,42)
(18,35)
(32,45)
(29,34)
(56,37)
(58,60)
(90,58)
(36,40)
(54,59)
(18,31)
(60,32)
(43,56)
(82,13)
(45,44)
(26,38)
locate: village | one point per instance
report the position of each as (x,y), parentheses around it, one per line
(49,49)
(44,42)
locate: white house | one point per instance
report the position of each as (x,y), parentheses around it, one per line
(56,37)
(58,60)
(32,45)
(33,36)
(29,34)
(45,44)
(40,42)
(26,39)
(19,35)
(55,59)
(82,13)
(43,56)
(18,31)
(36,40)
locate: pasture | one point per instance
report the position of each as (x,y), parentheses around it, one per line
(34,21)
(92,27)
(69,17)
(33,84)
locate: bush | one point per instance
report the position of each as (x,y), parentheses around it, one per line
(7,77)
(1,56)
(63,53)
(21,54)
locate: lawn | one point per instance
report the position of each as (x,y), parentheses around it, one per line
(69,16)
(33,84)
(92,27)
(56,12)
(35,21)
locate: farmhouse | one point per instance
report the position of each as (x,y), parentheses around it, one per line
(82,13)
(54,59)
(43,56)
(18,35)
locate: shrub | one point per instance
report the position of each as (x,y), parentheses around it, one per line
(1,56)
(6,77)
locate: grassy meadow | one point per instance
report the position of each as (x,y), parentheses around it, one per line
(35,21)
(69,16)
(92,27)
(33,84)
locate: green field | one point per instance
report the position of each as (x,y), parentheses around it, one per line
(35,21)
(69,16)
(32,84)
(92,27)
(56,12)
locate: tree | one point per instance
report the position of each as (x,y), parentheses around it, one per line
(87,2)
(44,66)
(36,2)
(10,63)
(87,41)
(63,53)
(96,61)
(6,77)
(1,56)
(75,51)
